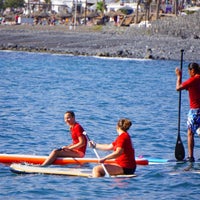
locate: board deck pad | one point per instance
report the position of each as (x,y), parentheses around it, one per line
(82,172)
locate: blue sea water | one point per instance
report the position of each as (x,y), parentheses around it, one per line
(35,91)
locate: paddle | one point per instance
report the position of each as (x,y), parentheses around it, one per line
(97,155)
(179,149)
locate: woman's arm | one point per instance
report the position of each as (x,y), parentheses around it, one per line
(104,147)
(113,155)
(77,145)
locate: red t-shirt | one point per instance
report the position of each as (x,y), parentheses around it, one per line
(193,87)
(77,131)
(127,159)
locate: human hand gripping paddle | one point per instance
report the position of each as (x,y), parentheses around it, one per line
(97,155)
(179,149)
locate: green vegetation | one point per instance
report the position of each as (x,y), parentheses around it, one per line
(189,12)
(13,3)
(100,6)
(97,28)
(1,4)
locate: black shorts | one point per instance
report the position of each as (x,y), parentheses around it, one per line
(129,171)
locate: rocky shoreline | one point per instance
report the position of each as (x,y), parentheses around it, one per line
(163,40)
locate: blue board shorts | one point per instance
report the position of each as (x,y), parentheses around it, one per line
(193,121)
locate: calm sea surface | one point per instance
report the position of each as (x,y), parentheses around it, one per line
(37,89)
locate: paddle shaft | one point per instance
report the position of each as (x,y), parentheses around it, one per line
(179,149)
(97,155)
(179,101)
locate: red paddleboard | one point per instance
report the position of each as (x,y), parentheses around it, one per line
(34,159)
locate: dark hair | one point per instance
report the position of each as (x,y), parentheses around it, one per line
(71,113)
(124,124)
(194,66)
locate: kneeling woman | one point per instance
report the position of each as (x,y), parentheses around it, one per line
(123,152)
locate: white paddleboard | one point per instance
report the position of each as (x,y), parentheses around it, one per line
(28,169)
(82,172)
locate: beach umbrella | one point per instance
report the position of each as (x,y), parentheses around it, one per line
(9,16)
(115,13)
(63,15)
(41,14)
(92,14)
(127,10)
(111,13)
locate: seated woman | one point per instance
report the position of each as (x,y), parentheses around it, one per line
(123,152)
(78,146)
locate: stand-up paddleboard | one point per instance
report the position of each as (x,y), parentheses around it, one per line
(175,173)
(153,161)
(196,172)
(34,159)
(192,168)
(27,169)
(162,161)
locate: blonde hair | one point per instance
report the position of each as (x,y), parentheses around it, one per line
(124,124)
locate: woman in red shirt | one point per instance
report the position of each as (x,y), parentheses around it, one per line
(79,142)
(193,87)
(123,152)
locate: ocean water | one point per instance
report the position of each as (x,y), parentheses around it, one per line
(35,91)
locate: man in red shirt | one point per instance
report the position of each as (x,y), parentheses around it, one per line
(193,87)
(79,141)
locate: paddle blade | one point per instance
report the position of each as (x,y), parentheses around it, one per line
(179,149)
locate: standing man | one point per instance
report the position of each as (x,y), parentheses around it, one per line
(193,87)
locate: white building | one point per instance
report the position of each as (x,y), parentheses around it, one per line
(60,5)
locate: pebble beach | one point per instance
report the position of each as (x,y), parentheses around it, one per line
(164,39)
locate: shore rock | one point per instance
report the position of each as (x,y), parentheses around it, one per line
(162,40)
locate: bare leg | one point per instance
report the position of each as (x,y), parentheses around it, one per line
(59,153)
(190,143)
(98,171)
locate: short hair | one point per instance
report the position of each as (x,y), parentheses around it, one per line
(194,66)
(71,113)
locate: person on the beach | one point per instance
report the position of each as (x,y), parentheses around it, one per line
(16,18)
(78,146)
(193,87)
(123,152)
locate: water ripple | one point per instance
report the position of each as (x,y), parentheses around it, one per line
(37,89)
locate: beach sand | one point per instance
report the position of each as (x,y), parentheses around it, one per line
(163,40)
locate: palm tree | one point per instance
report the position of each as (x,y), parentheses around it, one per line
(47,5)
(176,7)
(138,3)
(158,2)
(100,7)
